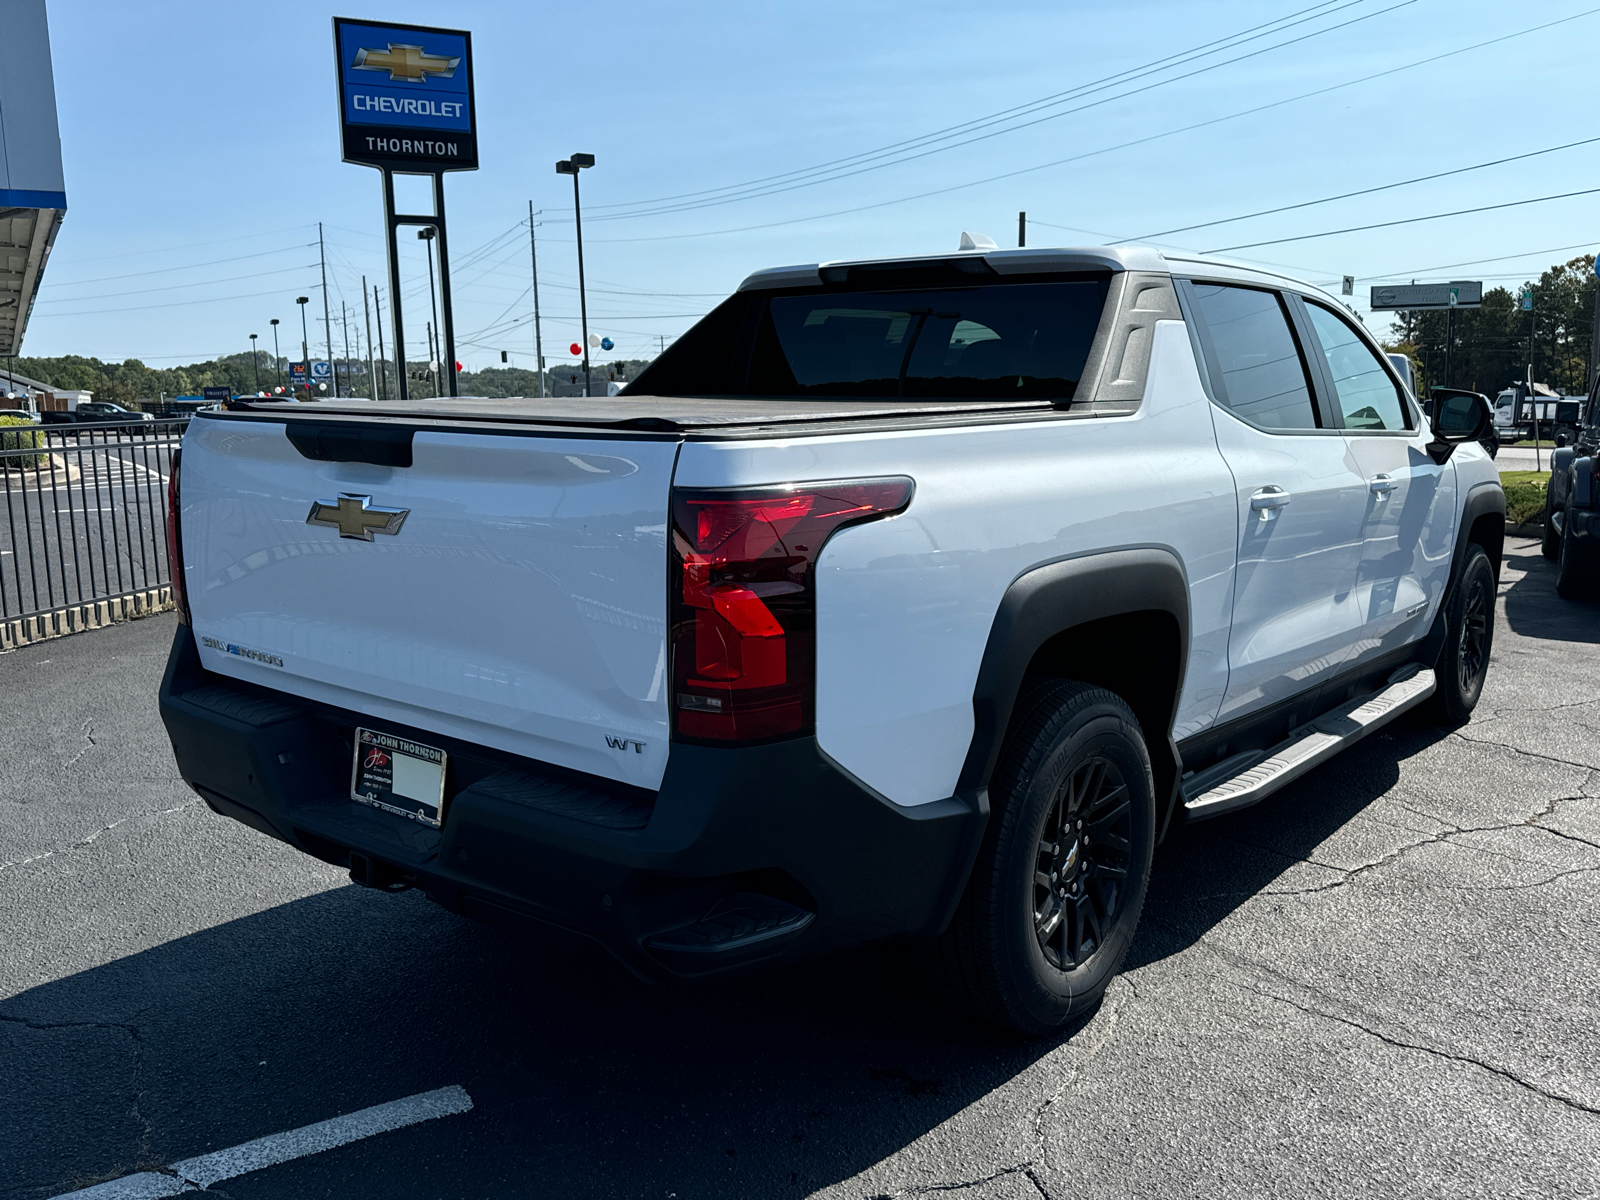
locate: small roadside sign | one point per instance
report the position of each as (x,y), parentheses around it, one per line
(297,373)
(321,370)
(217,395)
(1348,287)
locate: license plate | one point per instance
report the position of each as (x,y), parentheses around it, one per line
(398,776)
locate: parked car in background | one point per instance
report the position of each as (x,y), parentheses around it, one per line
(1572,507)
(20,414)
(90,411)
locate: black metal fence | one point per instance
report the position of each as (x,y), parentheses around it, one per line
(82,524)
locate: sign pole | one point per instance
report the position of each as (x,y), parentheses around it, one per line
(392,225)
(444,283)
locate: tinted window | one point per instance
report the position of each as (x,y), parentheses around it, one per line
(999,341)
(1262,378)
(1368,397)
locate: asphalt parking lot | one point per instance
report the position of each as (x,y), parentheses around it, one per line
(1382,981)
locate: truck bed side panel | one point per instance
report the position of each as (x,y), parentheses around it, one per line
(905,605)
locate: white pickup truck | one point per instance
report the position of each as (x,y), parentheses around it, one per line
(914,597)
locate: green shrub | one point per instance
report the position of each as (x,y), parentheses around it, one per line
(18,434)
(1524,494)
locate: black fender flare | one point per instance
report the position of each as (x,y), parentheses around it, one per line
(1556,495)
(1042,602)
(1486,499)
(1050,599)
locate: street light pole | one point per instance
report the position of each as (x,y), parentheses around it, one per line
(305,342)
(571,166)
(277,359)
(255,361)
(427,233)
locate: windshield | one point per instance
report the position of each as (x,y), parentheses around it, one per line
(996,341)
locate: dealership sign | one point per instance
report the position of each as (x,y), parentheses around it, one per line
(405,96)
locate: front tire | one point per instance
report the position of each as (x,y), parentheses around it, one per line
(1469,638)
(1055,895)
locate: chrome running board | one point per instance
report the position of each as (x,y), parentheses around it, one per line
(1242,780)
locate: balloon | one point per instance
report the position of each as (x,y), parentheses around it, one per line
(575,348)
(606,343)
(594,341)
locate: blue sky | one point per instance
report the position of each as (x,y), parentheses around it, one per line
(201,147)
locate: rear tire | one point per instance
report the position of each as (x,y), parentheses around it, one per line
(1469,638)
(1061,876)
(1550,543)
(1577,565)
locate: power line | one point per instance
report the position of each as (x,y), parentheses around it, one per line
(989,179)
(834,166)
(189,246)
(1460,212)
(1266,212)
(176,286)
(188,267)
(906,158)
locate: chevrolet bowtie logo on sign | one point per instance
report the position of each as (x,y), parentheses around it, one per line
(356,516)
(411,64)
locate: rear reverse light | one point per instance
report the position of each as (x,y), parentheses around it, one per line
(744,602)
(180,598)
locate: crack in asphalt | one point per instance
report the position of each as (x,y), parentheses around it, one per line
(88,736)
(1566,762)
(90,839)
(1467,1059)
(932,1189)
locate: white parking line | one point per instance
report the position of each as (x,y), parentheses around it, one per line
(269,1151)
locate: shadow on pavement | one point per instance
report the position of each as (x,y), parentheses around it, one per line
(772,1085)
(1533,609)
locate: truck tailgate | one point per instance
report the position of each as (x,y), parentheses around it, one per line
(521,604)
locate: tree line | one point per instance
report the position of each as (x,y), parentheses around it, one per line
(1494,344)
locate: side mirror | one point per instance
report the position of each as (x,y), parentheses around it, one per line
(1458,416)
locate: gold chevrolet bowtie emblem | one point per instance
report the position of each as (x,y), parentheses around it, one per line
(356,516)
(410,64)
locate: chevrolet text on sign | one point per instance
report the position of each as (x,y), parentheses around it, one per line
(405,96)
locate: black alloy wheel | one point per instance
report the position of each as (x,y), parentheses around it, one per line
(1055,894)
(1463,664)
(1083,854)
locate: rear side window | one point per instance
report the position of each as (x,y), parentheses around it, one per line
(1258,373)
(1368,397)
(988,341)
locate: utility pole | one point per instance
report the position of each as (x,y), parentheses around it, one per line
(277,358)
(383,355)
(433,360)
(327,318)
(344,319)
(372,366)
(1022,229)
(538,334)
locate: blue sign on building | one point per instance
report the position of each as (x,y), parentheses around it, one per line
(405,96)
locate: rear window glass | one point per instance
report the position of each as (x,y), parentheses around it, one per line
(1001,341)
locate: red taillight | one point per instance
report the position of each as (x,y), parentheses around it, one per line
(744,601)
(180,598)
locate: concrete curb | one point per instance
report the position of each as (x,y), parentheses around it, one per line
(1533,529)
(63,621)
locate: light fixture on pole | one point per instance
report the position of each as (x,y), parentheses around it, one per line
(571,166)
(277,359)
(255,360)
(305,342)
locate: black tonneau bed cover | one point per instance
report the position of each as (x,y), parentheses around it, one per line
(652,414)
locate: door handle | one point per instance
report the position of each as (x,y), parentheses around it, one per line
(1382,485)
(1269,500)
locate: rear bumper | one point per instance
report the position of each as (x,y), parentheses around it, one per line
(784,850)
